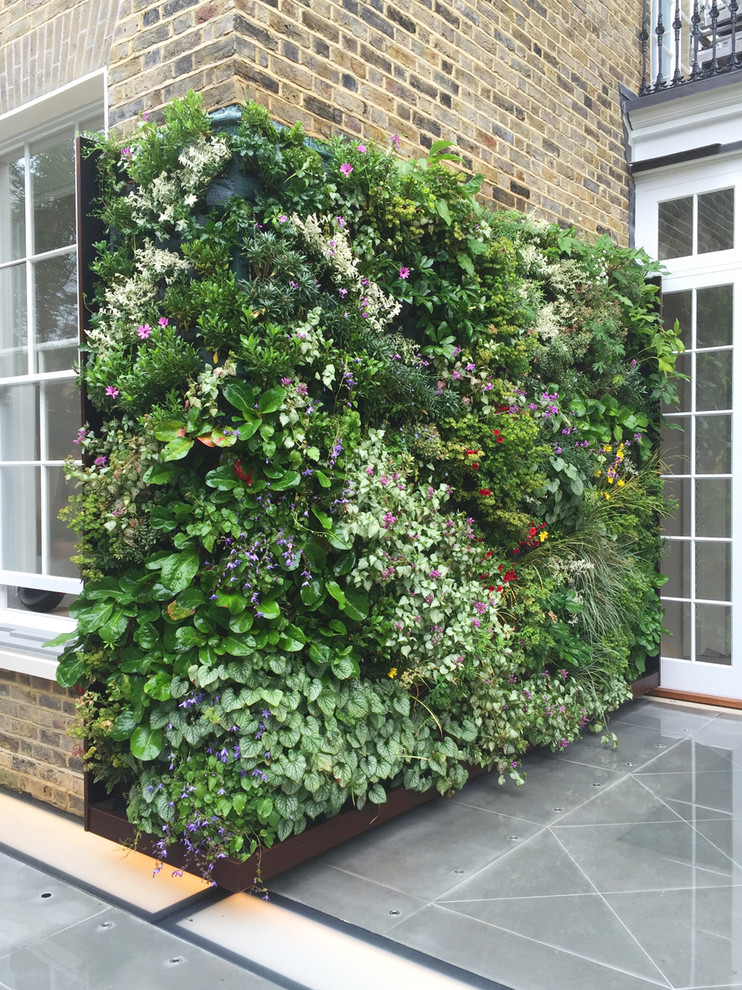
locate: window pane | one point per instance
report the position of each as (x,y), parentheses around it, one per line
(713,445)
(714,507)
(55,290)
(675,436)
(19,423)
(62,540)
(53,190)
(63,418)
(678,524)
(12,207)
(714,634)
(684,366)
(677,621)
(716,221)
(714,316)
(714,380)
(675,234)
(676,565)
(13,335)
(21,518)
(714,571)
(678,306)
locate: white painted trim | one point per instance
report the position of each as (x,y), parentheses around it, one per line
(70,99)
(21,663)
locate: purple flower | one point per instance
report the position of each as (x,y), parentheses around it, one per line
(285,381)
(112,391)
(282,218)
(340,221)
(100,461)
(144,330)
(395,140)
(346,168)
(163,321)
(81,434)
(434,574)
(342,293)
(127,153)
(404,272)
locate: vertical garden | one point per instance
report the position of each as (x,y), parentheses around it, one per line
(369,493)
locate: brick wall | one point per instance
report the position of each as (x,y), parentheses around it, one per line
(528,90)
(36,755)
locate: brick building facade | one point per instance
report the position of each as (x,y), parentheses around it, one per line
(528,93)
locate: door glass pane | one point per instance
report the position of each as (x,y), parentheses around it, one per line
(63,417)
(713,571)
(684,386)
(678,306)
(21,518)
(62,540)
(676,556)
(13,330)
(675,228)
(716,221)
(677,622)
(714,316)
(713,445)
(19,432)
(675,437)
(53,190)
(678,524)
(714,507)
(12,207)
(714,634)
(55,290)
(714,380)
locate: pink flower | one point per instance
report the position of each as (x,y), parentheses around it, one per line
(126,153)
(144,330)
(282,218)
(346,168)
(163,321)
(112,391)
(340,221)
(342,293)
(100,461)
(395,139)
(404,272)
(361,148)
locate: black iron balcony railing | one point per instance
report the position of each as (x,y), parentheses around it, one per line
(687,40)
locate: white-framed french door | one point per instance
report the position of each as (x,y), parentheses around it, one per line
(691,218)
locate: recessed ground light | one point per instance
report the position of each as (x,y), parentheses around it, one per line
(47,893)
(394,912)
(106,924)
(458,872)
(597,784)
(557,810)
(176,960)
(514,838)
(659,746)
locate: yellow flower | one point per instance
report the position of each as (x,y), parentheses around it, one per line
(543,535)
(610,481)
(392,672)
(620,482)
(607,448)
(605,494)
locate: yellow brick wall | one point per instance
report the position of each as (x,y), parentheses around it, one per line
(529,91)
(36,755)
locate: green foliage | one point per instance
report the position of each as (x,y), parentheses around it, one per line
(373,496)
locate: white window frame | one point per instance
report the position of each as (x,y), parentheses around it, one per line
(68,105)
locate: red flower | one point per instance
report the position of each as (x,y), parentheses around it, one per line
(510,576)
(496,432)
(532,531)
(485,492)
(475,466)
(499,439)
(488,555)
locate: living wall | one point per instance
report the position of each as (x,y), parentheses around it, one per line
(369,492)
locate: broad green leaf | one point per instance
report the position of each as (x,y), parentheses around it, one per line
(179,569)
(240,395)
(115,628)
(146,743)
(177,613)
(323,518)
(272,400)
(441,208)
(105,588)
(62,638)
(344,564)
(268,609)
(356,604)
(235,647)
(169,430)
(70,670)
(311,593)
(290,479)
(234,603)
(158,686)
(465,262)
(337,592)
(124,725)
(376,794)
(342,667)
(475,246)
(176,449)
(322,478)
(242,622)
(92,618)
(159,474)
(336,541)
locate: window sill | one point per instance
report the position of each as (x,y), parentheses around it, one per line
(22,636)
